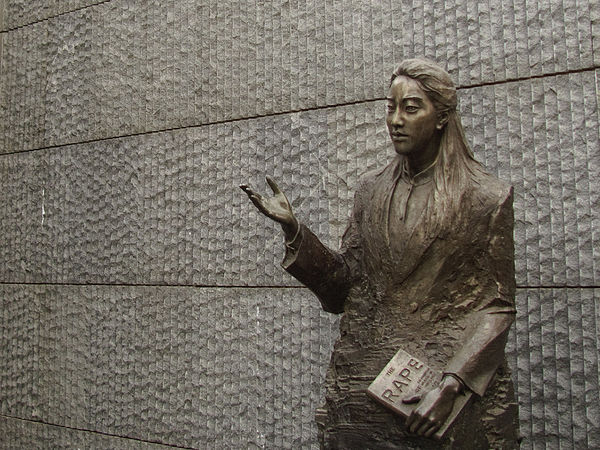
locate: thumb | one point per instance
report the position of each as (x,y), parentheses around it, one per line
(412,399)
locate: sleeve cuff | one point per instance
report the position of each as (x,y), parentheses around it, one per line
(463,386)
(294,244)
(291,248)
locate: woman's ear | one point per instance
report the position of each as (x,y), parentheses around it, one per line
(442,120)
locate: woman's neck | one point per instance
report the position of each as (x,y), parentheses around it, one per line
(419,161)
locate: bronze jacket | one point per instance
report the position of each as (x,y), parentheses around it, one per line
(444,295)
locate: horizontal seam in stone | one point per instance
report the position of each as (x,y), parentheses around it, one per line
(155,285)
(241,286)
(281,113)
(7,30)
(94,432)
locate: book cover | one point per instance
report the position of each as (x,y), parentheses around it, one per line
(404,376)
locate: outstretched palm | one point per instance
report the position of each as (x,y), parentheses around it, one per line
(276,207)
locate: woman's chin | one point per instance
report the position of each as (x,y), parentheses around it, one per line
(402,150)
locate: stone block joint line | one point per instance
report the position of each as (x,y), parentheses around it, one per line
(245,286)
(282,113)
(40,422)
(54,16)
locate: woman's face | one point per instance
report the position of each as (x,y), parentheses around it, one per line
(411,119)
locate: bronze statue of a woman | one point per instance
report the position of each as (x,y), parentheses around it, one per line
(426,265)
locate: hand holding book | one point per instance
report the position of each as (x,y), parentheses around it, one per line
(433,408)
(406,381)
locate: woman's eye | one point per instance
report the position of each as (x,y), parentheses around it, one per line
(390,107)
(412,109)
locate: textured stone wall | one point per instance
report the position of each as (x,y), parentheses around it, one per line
(142,302)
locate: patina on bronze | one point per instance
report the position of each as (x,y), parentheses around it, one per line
(426,266)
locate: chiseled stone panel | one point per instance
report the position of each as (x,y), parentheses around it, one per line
(595,29)
(25,434)
(224,367)
(162,208)
(19,13)
(23,84)
(125,67)
(554,355)
(165,208)
(239,367)
(543,138)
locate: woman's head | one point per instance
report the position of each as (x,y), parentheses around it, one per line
(434,81)
(455,164)
(414,123)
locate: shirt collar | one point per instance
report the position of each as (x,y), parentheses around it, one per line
(424,176)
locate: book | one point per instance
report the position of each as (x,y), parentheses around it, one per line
(405,376)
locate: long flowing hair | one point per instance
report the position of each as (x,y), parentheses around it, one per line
(455,165)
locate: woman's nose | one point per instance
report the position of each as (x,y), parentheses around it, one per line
(397,118)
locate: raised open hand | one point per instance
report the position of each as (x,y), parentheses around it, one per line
(277,207)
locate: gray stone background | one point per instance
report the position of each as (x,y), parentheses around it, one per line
(142,302)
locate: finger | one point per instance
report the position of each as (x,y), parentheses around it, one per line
(411,418)
(273,185)
(250,192)
(247,189)
(431,431)
(257,200)
(425,426)
(416,424)
(412,399)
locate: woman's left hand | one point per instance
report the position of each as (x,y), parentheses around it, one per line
(434,408)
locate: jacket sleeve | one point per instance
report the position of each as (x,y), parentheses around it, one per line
(327,273)
(482,352)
